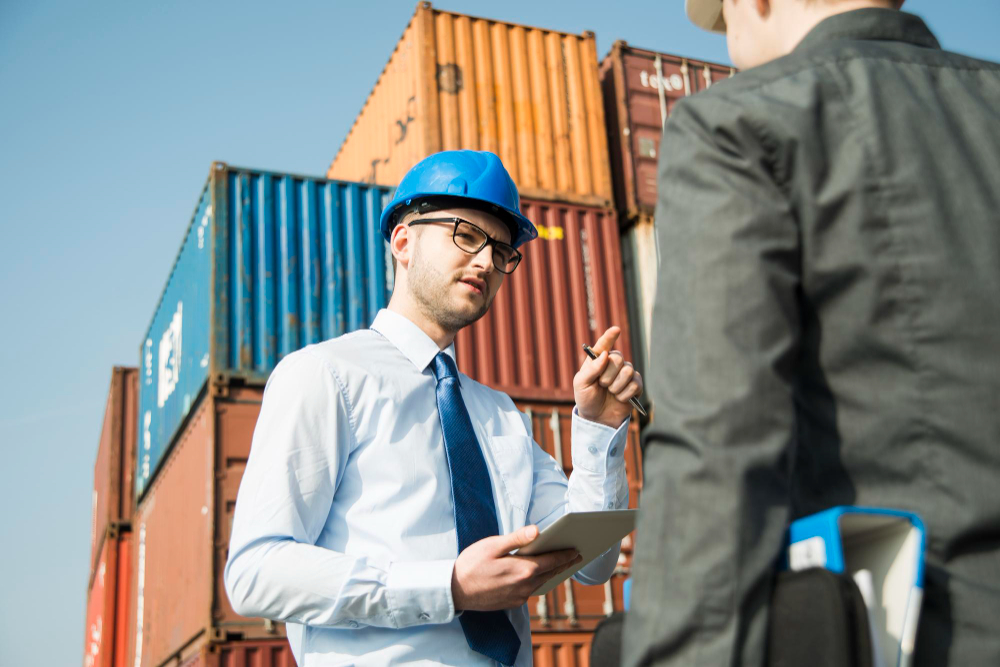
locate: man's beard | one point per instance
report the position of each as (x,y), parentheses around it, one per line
(431,288)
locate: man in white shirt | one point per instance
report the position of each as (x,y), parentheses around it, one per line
(384,490)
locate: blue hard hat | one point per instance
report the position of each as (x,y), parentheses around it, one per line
(474,179)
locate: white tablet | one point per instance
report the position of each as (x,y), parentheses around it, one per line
(590,533)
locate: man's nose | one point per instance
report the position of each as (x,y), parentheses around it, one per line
(484,258)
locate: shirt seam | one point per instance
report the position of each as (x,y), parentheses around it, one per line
(351,420)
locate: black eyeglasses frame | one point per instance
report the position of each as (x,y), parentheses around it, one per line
(489,240)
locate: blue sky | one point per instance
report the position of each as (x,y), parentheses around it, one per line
(111,114)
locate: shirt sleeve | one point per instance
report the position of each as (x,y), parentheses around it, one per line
(598,482)
(275,570)
(715,502)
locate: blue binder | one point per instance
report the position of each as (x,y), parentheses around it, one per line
(883,550)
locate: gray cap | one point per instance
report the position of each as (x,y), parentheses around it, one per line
(706,14)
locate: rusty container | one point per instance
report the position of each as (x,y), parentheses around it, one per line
(640,262)
(567,291)
(182,527)
(550,649)
(108,600)
(561,649)
(530,95)
(115,464)
(244,653)
(640,89)
(573,606)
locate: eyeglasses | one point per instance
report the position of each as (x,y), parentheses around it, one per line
(472,239)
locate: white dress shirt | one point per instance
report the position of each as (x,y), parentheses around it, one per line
(345,526)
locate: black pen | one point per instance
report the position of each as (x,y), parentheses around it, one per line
(634,402)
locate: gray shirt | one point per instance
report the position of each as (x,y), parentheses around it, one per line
(827,332)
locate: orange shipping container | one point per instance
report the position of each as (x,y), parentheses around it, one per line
(115,464)
(108,605)
(529,95)
(568,290)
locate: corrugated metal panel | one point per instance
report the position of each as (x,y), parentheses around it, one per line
(640,89)
(270,263)
(640,264)
(184,523)
(271,653)
(574,606)
(532,96)
(115,464)
(183,527)
(568,290)
(712,73)
(562,649)
(107,602)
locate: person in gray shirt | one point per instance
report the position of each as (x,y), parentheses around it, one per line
(827,324)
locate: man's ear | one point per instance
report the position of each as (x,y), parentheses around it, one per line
(401,244)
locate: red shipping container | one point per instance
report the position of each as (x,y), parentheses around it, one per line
(182,529)
(183,524)
(567,291)
(266,653)
(574,606)
(115,464)
(640,89)
(107,605)
(562,649)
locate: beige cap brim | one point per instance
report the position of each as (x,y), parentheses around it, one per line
(706,14)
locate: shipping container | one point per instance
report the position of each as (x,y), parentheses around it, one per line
(551,649)
(264,653)
(108,604)
(640,88)
(640,263)
(112,499)
(530,95)
(182,527)
(562,649)
(270,263)
(574,606)
(713,73)
(566,292)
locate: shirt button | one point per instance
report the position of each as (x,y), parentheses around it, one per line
(614,450)
(592,449)
(352,624)
(611,505)
(424,616)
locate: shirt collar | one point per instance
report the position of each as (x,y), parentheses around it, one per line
(410,339)
(871,23)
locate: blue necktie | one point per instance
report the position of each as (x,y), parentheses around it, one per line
(488,632)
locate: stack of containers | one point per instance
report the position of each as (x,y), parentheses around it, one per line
(640,89)
(533,97)
(108,596)
(270,263)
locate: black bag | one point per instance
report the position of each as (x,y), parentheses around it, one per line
(818,619)
(606,644)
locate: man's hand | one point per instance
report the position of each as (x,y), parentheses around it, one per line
(603,385)
(487,578)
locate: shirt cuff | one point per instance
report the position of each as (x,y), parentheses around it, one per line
(419,592)
(596,447)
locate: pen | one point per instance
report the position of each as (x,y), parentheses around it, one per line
(634,402)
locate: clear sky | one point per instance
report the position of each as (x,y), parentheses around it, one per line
(110,115)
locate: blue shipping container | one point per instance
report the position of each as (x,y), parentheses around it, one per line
(270,263)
